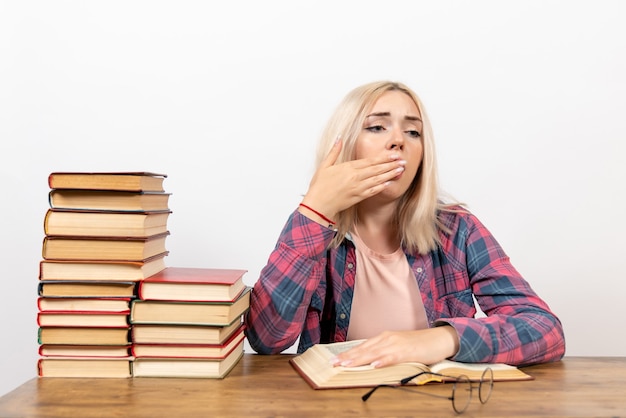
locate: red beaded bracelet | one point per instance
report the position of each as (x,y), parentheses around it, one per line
(317,213)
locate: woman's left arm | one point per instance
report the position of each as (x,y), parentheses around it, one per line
(519,327)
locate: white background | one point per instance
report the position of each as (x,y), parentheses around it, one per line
(527,101)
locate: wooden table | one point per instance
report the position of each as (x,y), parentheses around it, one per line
(268,386)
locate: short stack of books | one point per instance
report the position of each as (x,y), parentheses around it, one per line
(187,322)
(104,232)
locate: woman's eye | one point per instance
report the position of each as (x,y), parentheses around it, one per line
(414,134)
(375,128)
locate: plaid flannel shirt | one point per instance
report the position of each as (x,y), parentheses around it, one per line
(305,291)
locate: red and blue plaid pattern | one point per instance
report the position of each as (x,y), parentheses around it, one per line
(305,291)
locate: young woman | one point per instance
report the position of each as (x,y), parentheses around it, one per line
(373,253)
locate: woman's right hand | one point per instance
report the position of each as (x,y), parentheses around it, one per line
(336,187)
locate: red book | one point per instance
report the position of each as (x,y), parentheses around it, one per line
(193,285)
(207,368)
(95,304)
(217,351)
(82,319)
(84,351)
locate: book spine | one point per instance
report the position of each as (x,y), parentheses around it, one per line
(139,288)
(39,368)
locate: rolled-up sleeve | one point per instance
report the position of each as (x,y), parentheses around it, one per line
(282,295)
(519,328)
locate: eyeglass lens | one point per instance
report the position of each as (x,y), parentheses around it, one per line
(461,394)
(486,386)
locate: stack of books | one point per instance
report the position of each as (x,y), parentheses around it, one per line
(104,232)
(188,322)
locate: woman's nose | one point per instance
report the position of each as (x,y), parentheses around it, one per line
(396,141)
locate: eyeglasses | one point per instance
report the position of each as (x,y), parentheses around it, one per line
(462,389)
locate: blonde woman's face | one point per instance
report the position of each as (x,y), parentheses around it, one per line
(393,125)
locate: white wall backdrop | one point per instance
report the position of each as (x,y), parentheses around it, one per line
(228,98)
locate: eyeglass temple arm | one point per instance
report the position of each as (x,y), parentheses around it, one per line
(372,390)
(403,382)
(406,380)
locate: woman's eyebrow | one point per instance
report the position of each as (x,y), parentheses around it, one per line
(371,115)
(385,114)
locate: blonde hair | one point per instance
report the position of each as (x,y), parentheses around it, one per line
(417,211)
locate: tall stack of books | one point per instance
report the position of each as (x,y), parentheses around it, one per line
(104,233)
(187,322)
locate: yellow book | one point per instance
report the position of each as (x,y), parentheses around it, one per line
(85,367)
(189,313)
(135,181)
(109,223)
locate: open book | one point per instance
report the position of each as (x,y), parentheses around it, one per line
(314,365)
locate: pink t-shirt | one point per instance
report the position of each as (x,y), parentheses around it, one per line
(386,296)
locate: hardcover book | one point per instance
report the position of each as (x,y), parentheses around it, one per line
(183,334)
(189,313)
(86,289)
(96,351)
(103,248)
(108,200)
(83,304)
(118,271)
(189,350)
(83,336)
(216,368)
(134,181)
(82,319)
(105,223)
(85,367)
(193,284)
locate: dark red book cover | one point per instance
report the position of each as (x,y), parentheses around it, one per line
(227,282)
(197,275)
(233,341)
